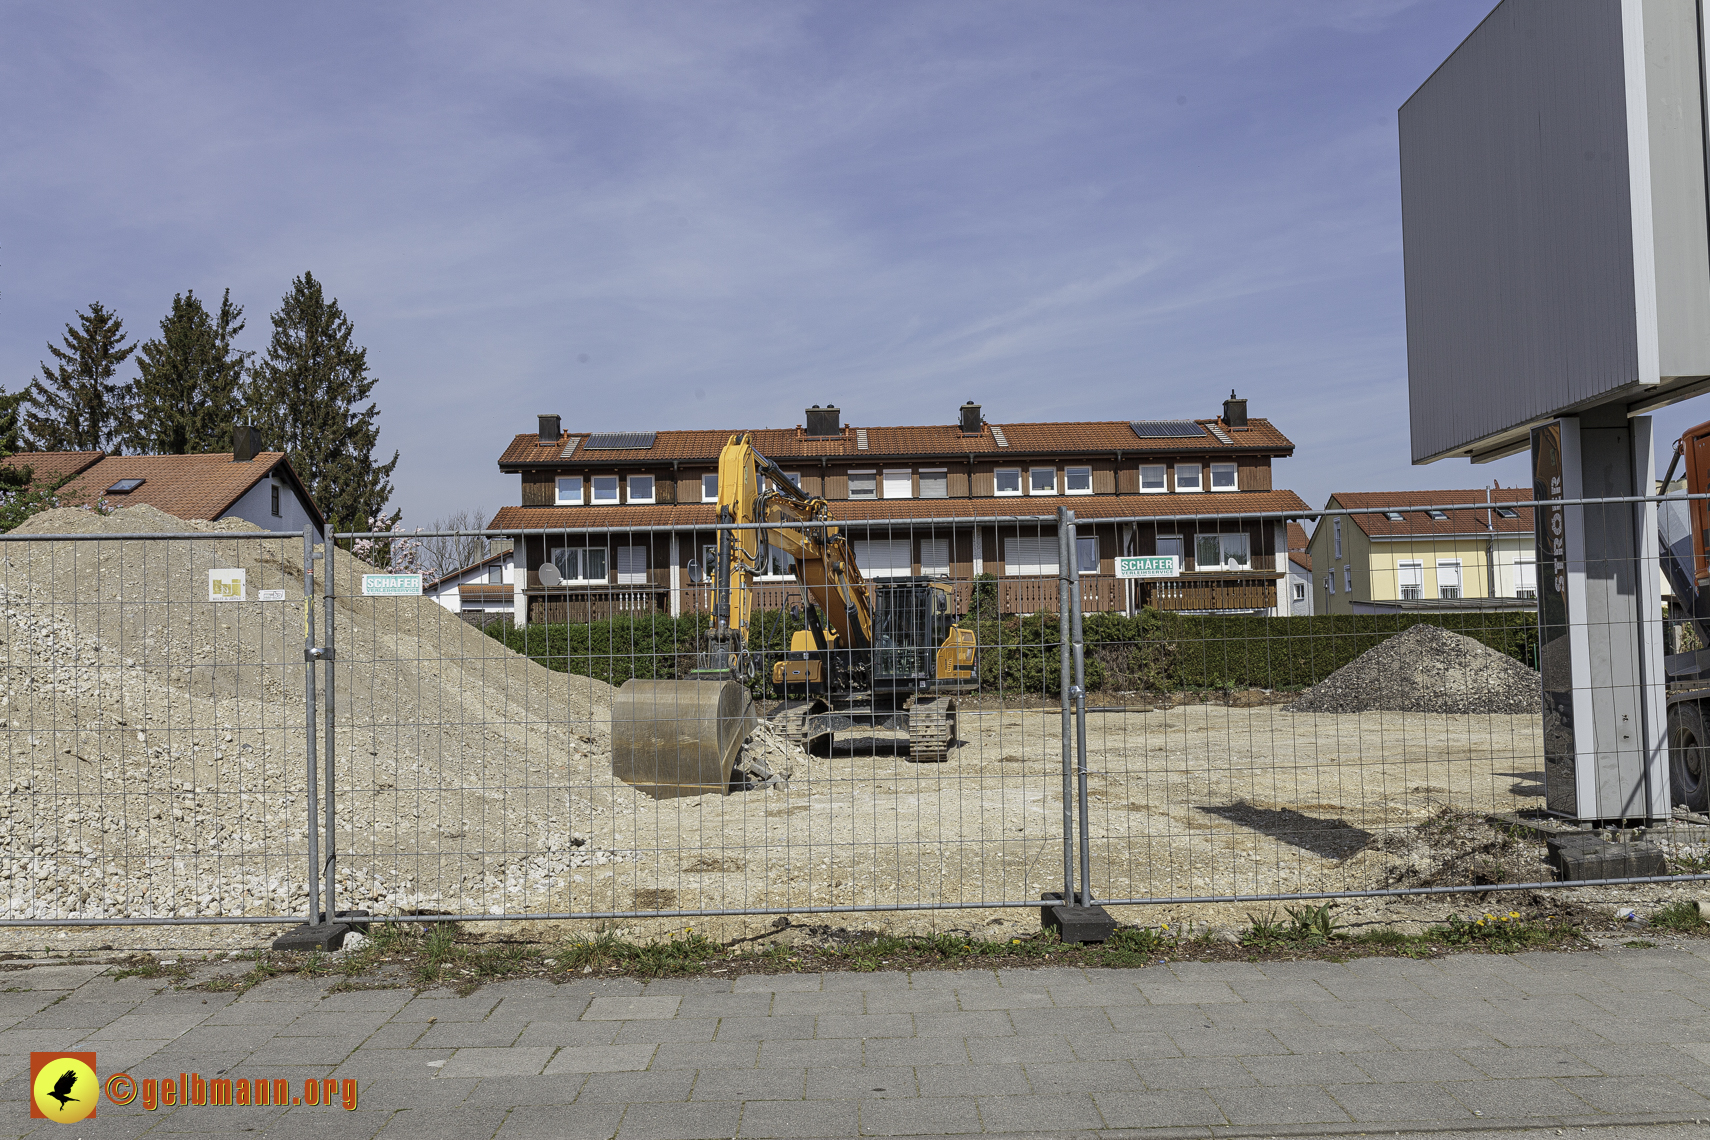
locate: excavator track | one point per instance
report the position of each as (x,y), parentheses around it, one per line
(793,719)
(931,729)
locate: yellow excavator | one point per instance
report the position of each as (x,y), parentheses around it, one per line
(884,655)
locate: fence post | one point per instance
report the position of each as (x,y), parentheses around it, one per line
(1079,692)
(1064,551)
(327,666)
(309,722)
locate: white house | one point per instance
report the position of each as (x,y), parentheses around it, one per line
(486,588)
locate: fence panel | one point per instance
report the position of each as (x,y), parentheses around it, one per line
(153,713)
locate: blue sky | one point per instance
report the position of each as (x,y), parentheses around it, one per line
(701,214)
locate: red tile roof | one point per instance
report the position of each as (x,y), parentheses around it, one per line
(1094,437)
(48,467)
(1415,523)
(187,486)
(1086,508)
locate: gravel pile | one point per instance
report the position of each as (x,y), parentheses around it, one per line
(1426,669)
(155,749)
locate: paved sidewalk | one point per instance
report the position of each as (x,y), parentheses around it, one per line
(1291,1048)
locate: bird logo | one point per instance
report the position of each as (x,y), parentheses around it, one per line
(63,1086)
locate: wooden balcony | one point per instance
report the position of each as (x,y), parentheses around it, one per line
(1211,592)
(1040,596)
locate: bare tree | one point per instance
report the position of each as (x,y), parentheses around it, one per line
(439,556)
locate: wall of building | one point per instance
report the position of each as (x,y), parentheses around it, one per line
(256,506)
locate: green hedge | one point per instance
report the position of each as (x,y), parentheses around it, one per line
(1149,652)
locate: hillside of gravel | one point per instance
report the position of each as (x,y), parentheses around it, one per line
(1426,669)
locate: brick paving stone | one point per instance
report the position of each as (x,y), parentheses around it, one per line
(818,1003)
(860,1082)
(1198,1042)
(1313,1069)
(1177,1108)
(658,1032)
(908,1001)
(831,1051)
(1637,1060)
(764,1028)
(727,1055)
(1375,1103)
(1509,1062)
(786,983)
(698,1120)
(1519,1097)
(1039,1112)
(984,1023)
(1013,1050)
(583,1033)
(1012,996)
(502,1062)
(750,1084)
(1123,1046)
(637,1087)
(560,1089)
(1083,1076)
(864,1025)
(1194,1073)
(790,1118)
(1286,1104)
(919,1115)
(1635,1094)
(1416,1065)
(925,1050)
(725,1005)
(531,1122)
(973,1080)
(599,1058)
(1341,1039)
(631,1008)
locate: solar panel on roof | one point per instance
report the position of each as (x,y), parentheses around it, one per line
(1166,429)
(620,441)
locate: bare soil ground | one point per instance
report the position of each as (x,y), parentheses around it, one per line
(155,766)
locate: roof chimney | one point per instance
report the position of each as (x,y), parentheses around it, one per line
(824,421)
(970,418)
(246,443)
(1235,412)
(549,429)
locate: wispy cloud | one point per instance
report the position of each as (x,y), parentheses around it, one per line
(681,214)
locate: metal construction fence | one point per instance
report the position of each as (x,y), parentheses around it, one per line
(1162,709)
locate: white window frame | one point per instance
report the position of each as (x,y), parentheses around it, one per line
(933,567)
(1027,555)
(870,474)
(1019,482)
(1157,472)
(1069,475)
(1232,470)
(1330,583)
(1336,536)
(1032,481)
(1243,541)
(709,488)
(898,482)
(1299,591)
(579,556)
(1410,568)
(1348,578)
(1198,483)
(942,476)
(561,484)
(1086,553)
(597,498)
(781,566)
(630,576)
(870,568)
(1459,587)
(652,488)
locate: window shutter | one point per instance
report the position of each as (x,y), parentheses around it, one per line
(632,565)
(1026,554)
(883,557)
(935,556)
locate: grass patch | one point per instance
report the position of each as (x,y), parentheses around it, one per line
(1682,916)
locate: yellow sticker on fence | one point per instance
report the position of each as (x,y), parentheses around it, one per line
(225,585)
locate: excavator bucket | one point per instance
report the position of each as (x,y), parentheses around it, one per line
(679,738)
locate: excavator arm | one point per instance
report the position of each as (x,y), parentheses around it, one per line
(753,489)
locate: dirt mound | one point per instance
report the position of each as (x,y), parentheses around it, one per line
(1426,669)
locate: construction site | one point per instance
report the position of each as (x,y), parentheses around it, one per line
(157,771)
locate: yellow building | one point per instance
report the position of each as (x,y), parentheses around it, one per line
(1403,553)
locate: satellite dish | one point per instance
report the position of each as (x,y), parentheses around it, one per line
(549,575)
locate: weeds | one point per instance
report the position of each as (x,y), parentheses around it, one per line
(1304,926)
(1682,916)
(1504,933)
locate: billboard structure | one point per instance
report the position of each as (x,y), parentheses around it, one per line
(1554,220)
(1556,225)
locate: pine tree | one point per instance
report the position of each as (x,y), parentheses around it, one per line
(11,441)
(76,405)
(306,394)
(189,391)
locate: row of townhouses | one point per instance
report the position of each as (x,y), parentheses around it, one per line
(626,518)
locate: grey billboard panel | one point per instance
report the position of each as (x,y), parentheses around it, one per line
(1553,187)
